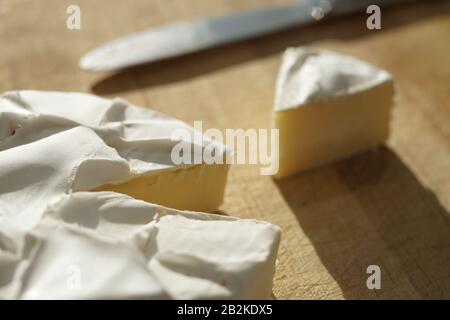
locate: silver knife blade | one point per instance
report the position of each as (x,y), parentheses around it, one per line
(186,37)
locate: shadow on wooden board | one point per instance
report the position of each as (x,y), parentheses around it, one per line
(212,60)
(371,210)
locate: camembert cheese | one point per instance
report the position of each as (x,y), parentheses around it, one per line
(328,106)
(96,245)
(50,139)
(62,237)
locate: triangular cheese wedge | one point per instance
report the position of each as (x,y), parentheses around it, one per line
(54,143)
(328,106)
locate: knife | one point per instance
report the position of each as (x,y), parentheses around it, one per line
(186,37)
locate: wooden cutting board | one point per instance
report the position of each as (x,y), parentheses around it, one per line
(389,208)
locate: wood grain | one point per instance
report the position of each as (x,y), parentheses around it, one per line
(389,207)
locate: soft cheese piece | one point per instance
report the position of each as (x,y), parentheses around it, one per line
(33,174)
(108,245)
(327,107)
(53,143)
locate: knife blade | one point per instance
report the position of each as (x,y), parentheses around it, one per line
(189,36)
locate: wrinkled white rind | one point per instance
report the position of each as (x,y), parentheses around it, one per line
(108,245)
(58,242)
(311,74)
(37,173)
(53,143)
(143,137)
(17,248)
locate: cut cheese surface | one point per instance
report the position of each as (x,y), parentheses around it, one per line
(94,245)
(199,188)
(79,142)
(328,106)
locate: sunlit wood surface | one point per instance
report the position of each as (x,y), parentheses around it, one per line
(389,208)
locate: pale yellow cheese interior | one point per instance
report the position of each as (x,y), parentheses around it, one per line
(326,130)
(196,188)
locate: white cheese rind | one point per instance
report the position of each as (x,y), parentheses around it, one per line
(53,143)
(108,245)
(141,136)
(311,74)
(59,242)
